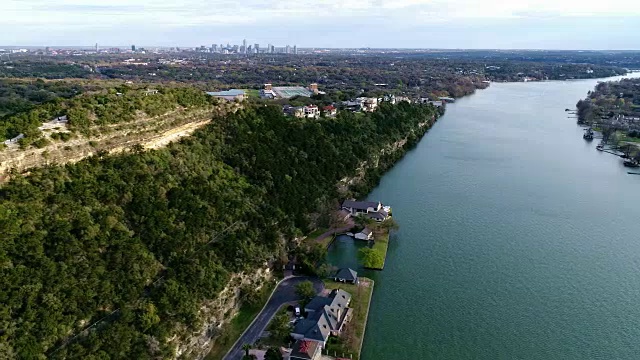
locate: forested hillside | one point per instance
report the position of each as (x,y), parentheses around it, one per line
(20,96)
(48,69)
(111,106)
(142,239)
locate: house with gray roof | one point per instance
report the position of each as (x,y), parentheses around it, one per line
(326,317)
(371,209)
(346,275)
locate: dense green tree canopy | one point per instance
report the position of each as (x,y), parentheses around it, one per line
(129,246)
(103,108)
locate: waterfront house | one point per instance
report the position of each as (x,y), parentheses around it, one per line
(361,207)
(371,209)
(346,275)
(326,317)
(365,234)
(305,350)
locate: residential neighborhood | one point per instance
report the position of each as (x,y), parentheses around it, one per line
(326,316)
(315,111)
(336,314)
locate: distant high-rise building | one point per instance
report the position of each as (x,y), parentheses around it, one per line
(272,49)
(214,48)
(96,47)
(287,49)
(249,50)
(256,48)
(133,48)
(295,49)
(244,46)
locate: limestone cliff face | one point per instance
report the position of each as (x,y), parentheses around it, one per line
(149,132)
(215,313)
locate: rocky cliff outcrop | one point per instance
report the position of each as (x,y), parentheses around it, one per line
(216,313)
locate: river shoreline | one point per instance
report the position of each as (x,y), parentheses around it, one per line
(503,242)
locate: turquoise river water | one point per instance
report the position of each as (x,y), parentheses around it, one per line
(517,240)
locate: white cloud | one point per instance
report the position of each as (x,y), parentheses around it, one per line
(333,22)
(228,12)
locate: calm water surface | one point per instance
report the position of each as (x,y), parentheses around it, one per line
(517,240)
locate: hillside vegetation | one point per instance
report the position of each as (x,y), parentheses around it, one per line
(19,96)
(611,98)
(141,239)
(88,111)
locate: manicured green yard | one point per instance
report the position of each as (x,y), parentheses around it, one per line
(381,244)
(253,93)
(350,342)
(624,137)
(375,257)
(232,331)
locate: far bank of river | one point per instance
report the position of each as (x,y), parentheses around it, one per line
(517,239)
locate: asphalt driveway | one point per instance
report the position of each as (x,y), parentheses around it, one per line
(285,293)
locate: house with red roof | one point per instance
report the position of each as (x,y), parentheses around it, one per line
(330,111)
(306,350)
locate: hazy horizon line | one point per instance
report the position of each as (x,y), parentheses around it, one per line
(91,47)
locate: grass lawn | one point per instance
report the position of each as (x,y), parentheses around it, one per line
(253,93)
(381,244)
(353,334)
(232,331)
(624,137)
(375,257)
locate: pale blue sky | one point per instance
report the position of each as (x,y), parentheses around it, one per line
(548,24)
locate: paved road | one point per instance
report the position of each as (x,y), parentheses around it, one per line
(286,292)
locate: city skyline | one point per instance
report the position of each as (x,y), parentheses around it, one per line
(469,24)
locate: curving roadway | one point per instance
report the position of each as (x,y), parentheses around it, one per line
(284,293)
